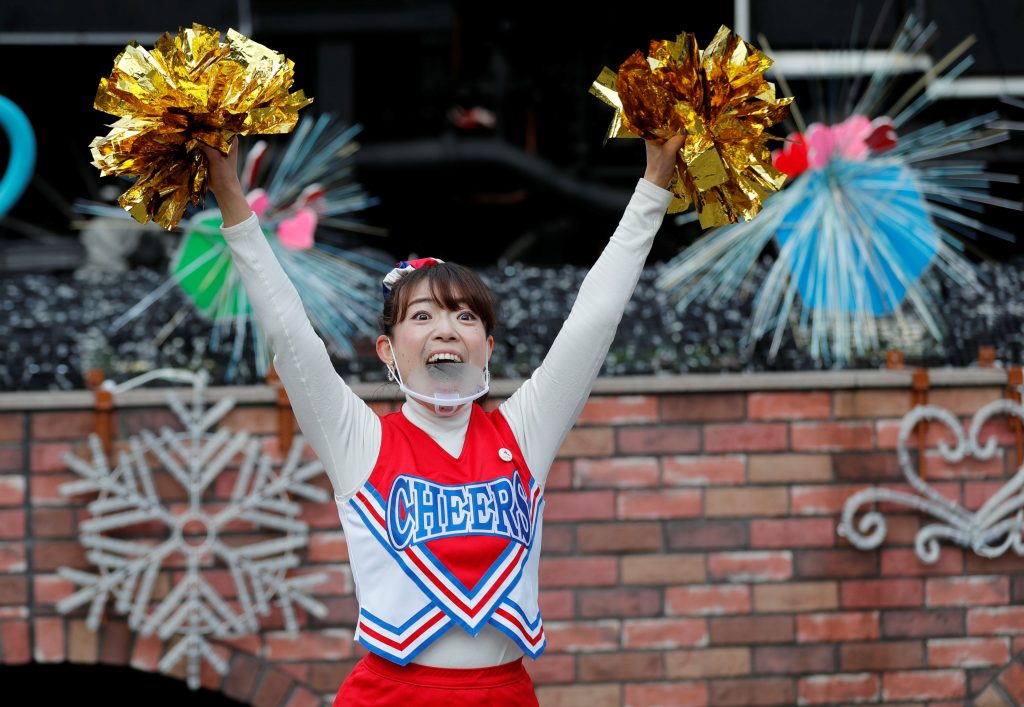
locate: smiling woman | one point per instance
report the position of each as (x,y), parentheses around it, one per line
(441,316)
(442,502)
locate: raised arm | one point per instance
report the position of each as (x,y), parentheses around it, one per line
(342,430)
(545,407)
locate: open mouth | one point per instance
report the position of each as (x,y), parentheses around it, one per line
(444,358)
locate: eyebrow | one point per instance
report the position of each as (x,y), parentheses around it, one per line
(431,300)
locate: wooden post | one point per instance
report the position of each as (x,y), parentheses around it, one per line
(986,356)
(894,359)
(285,416)
(103,409)
(919,396)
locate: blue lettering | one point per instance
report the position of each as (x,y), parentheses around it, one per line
(483,514)
(428,510)
(455,505)
(502,489)
(522,508)
(419,510)
(400,532)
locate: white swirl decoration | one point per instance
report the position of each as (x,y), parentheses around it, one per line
(991,531)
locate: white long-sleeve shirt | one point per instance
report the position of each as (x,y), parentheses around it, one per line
(346,434)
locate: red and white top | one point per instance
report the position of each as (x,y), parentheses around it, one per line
(437,541)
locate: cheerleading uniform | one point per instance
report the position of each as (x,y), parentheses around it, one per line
(460,548)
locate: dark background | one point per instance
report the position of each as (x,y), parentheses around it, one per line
(540,186)
(109,685)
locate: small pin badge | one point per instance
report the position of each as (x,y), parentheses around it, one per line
(505,454)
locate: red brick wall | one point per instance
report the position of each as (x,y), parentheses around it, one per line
(690,558)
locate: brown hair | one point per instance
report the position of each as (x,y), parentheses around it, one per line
(450,284)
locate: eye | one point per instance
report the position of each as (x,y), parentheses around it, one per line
(467,316)
(420,316)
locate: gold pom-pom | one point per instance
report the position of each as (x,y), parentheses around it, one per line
(191,89)
(720,100)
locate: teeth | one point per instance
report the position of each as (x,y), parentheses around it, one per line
(440,357)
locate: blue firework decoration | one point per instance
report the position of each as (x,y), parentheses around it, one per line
(867,215)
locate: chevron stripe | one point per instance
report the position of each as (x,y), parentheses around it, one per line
(470,608)
(403,644)
(510,620)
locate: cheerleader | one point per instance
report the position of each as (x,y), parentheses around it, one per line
(442,502)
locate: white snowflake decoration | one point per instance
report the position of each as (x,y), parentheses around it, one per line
(127,496)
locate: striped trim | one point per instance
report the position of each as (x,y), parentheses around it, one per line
(401,643)
(468,607)
(510,619)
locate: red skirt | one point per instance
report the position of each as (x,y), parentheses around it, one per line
(377,682)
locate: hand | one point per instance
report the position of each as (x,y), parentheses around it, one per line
(661,160)
(222,178)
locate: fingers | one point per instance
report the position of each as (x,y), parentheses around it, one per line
(659,142)
(662,156)
(664,149)
(223,170)
(212,152)
(675,142)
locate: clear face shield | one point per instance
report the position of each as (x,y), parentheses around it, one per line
(445,384)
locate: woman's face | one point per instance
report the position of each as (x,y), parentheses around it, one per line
(429,333)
